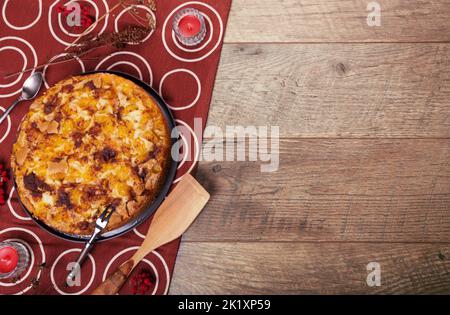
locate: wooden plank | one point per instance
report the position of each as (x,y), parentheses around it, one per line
(337,21)
(302,268)
(331,190)
(336,90)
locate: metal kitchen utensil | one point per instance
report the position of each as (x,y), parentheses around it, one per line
(100,225)
(30,89)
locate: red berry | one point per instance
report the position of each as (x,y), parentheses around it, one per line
(147,282)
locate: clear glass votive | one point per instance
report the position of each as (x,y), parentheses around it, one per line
(14,259)
(189,26)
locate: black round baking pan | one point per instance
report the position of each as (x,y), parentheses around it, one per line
(154,205)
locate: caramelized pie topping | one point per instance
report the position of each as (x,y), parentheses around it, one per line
(89,142)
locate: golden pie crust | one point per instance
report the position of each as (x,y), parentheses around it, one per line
(89,142)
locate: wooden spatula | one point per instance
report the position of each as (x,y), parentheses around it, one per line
(171,220)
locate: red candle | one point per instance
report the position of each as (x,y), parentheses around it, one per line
(9,259)
(189,26)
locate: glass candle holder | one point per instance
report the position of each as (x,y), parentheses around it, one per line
(189,26)
(14,259)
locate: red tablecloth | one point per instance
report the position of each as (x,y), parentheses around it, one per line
(30,34)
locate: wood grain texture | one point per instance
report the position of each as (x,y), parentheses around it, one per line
(337,21)
(331,190)
(301,268)
(336,90)
(364,115)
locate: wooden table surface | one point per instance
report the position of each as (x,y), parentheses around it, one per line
(364,116)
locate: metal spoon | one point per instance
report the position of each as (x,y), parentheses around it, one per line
(30,89)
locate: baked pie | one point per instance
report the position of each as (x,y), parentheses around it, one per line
(89,142)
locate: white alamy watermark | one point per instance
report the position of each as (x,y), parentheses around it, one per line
(75,14)
(74,17)
(231,143)
(374,277)
(75,268)
(374,16)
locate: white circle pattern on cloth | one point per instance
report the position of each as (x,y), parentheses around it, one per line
(22,42)
(5,133)
(199,88)
(44,70)
(133,64)
(20,28)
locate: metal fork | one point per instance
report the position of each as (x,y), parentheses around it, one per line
(100,225)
